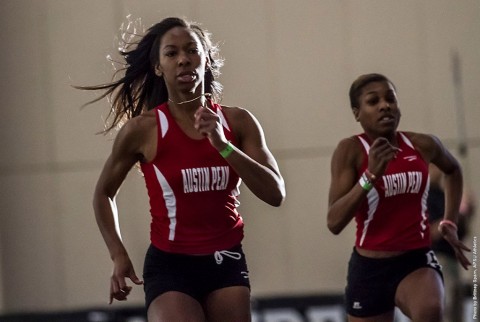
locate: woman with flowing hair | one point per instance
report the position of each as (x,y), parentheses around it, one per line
(193,153)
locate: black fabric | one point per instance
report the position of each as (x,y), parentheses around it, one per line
(372,282)
(194,275)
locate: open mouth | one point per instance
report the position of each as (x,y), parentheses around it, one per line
(187,77)
(387,119)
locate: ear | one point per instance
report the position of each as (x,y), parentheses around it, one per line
(207,61)
(158,70)
(355,113)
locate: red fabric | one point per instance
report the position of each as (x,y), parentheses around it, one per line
(394,216)
(193,192)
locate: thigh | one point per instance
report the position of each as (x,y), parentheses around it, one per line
(420,295)
(229,304)
(370,290)
(164,272)
(175,306)
(385,317)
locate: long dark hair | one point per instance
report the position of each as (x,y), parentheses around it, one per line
(139,88)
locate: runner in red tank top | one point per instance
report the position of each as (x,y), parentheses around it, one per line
(380,178)
(393,217)
(193,153)
(193,191)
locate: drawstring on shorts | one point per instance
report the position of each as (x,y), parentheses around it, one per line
(219,258)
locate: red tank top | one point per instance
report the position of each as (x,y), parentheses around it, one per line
(192,190)
(394,215)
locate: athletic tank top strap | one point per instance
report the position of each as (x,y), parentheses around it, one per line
(163,120)
(366,145)
(406,140)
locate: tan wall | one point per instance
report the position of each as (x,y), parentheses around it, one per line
(289,62)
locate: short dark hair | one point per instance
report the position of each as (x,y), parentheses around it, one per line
(361,82)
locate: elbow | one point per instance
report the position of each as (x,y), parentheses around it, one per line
(97,204)
(277,199)
(277,202)
(100,197)
(274,195)
(95,200)
(334,227)
(334,230)
(97,197)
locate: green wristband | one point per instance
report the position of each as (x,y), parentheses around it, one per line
(227,151)
(365,183)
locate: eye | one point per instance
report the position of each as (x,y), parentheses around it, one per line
(373,100)
(170,53)
(194,50)
(391,99)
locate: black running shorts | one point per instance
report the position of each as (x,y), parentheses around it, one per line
(372,282)
(195,275)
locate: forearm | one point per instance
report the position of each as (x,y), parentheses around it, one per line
(343,210)
(107,220)
(265,182)
(453,194)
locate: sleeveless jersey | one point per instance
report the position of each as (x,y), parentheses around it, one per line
(394,215)
(192,190)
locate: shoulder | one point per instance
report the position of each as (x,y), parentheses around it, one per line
(236,113)
(427,144)
(419,138)
(348,149)
(139,124)
(241,119)
(134,132)
(351,143)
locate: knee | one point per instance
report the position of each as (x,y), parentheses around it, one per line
(430,311)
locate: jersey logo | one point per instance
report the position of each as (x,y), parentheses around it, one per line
(432,260)
(402,182)
(410,158)
(205,179)
(357,306)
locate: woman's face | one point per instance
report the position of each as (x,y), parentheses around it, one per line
(378,111)
(182,61)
